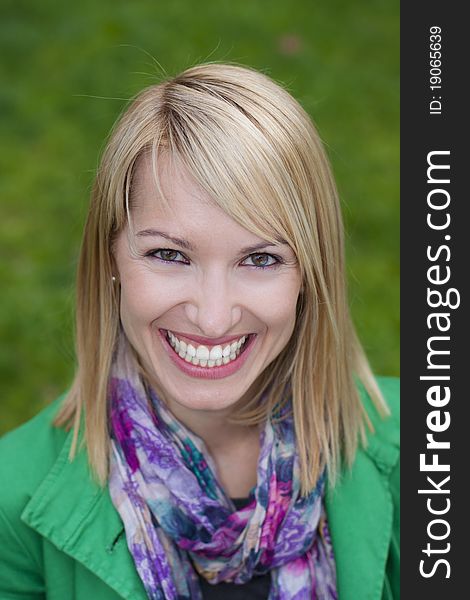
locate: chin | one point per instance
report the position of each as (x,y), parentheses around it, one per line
(209,399)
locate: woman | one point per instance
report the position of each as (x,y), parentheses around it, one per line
(224,436)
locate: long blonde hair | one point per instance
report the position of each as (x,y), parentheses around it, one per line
(252,147)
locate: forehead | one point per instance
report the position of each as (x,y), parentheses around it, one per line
(166,196)
(164,188)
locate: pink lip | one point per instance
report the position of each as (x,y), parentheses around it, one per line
(204,340)
(208,372)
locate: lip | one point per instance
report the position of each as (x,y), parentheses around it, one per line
(205,372)
(204,340)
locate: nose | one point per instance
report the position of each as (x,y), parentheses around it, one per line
(214,307)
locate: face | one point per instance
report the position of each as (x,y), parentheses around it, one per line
(206,304)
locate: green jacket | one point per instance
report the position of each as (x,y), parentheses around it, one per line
(62,539)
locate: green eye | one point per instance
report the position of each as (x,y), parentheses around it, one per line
(169,256)
(261,260)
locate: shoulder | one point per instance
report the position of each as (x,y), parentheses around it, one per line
(364,505)
(26,456)
(378,456)
(390,388)
(383,440)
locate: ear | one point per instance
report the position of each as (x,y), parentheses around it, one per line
(115,278)
(112,260)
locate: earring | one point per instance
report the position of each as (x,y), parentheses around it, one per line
(113,279)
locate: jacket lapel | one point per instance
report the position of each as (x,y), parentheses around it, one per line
(360,514)
(78,517)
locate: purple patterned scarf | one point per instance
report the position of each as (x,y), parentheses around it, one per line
(179,520)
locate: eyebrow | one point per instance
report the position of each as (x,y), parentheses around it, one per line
(176,240)
(182,243)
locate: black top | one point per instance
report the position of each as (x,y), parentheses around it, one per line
(255,589)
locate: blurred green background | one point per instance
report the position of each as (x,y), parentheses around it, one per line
(66,72)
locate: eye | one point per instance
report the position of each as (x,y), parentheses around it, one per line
(261,261)
(168,255)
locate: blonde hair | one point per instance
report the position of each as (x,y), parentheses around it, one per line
(252,147)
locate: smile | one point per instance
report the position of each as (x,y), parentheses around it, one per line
(206,360)
(206,356)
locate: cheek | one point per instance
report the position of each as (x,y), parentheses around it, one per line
(279,313)
(141,299)
(282,315)
(146,296)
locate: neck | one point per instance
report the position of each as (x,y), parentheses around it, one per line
(213,426)
(233,447)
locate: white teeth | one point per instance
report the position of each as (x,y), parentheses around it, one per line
(206,356)
(216,352)
(202,352)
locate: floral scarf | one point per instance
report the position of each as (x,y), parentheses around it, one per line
(179,520)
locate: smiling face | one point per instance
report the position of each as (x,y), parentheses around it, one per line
(206,304)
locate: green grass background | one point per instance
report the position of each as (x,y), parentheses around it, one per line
(66,70)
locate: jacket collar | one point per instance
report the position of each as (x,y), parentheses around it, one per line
(360,517)
(78,517)
(74,513)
